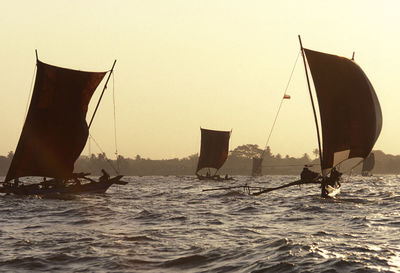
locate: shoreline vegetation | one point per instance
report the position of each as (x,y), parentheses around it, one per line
(239,162)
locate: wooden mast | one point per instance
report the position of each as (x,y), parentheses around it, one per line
(312,103)
(102,93)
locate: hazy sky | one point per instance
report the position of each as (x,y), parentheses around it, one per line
(182,65)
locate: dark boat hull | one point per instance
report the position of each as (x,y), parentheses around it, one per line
(38,189)
(214,178)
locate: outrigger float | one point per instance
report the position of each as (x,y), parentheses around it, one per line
(251,190)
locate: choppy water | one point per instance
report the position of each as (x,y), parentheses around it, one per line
(167,224)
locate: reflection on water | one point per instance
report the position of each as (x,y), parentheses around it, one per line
(168,224)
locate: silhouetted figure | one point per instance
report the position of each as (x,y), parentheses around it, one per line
(16,182)
(334,177)
(104,177)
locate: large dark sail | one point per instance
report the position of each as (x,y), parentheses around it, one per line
(214,149)
(55,129)
(351,116)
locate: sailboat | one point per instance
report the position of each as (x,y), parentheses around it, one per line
(350,114)
(54,134)
(213,154)
(368,165)
(257,166)
(350,117)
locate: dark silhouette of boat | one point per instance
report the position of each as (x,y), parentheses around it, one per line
(213,154)
(350,114)
(350,117)
(257,166)
(54,134)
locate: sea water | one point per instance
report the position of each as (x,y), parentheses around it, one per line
(169,224)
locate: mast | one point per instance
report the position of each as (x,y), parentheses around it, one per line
(312,103)
(102,93)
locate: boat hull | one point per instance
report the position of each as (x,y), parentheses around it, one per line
(214,178)
(332,191)
(38,189)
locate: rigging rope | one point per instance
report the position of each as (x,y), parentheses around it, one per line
(30,94)
(280,105)
(115,125)
(107,160)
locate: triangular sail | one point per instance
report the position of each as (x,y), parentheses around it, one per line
(351,116)
(55,129)
(368,163)
(214,149)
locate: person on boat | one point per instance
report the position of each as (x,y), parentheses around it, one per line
(307,174)
(226,177)
(335,177)
(16,182)
(104,177)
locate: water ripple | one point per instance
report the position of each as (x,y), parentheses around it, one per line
(168,224)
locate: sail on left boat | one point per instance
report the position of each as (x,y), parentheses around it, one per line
(55,133)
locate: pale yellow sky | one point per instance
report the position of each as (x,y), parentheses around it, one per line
(219,64)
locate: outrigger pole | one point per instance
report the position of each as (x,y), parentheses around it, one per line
(297,182)
(262,190)
(312,102)
(102,93)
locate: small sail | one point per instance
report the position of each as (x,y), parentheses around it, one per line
(351,116)
(55,129)
(368,163)
(257,166)
(214,149)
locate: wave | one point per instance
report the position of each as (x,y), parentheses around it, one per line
(167,224)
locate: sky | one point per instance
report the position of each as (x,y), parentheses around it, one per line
(186,64)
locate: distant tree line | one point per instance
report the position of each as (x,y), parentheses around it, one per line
(239,162)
